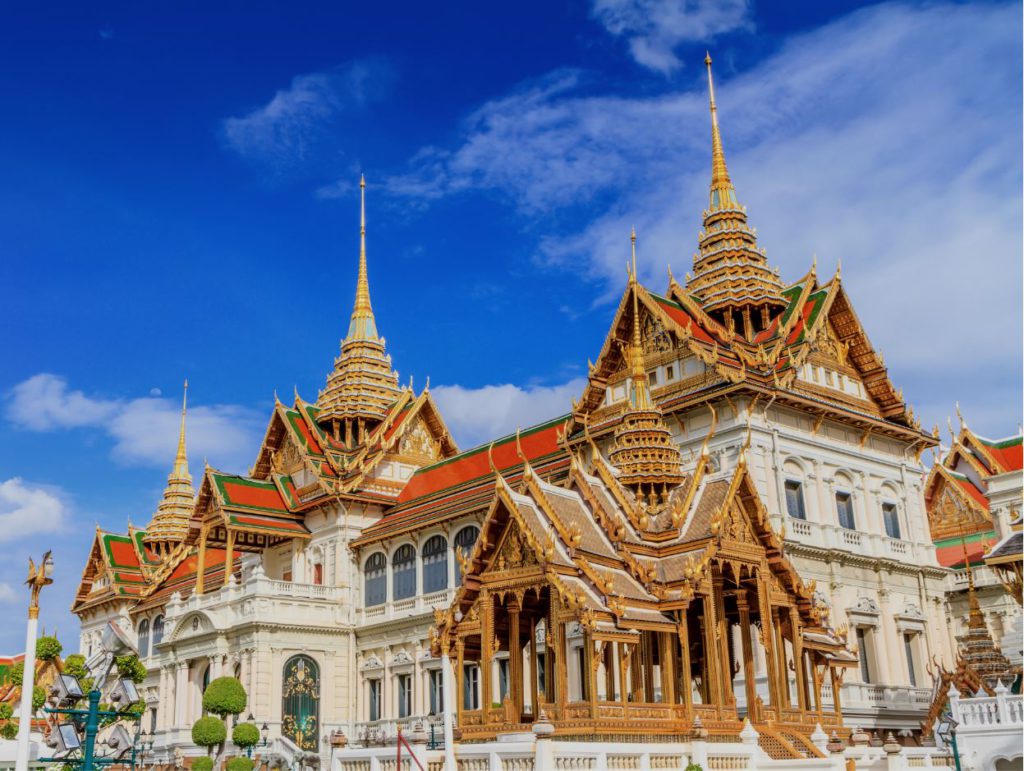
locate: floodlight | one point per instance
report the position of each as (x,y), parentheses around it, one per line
(66,690)
(64,738)
(119,740)
(115,641)
(124,693)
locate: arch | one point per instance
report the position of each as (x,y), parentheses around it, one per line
(158,630)
(403,572)
(795,466)
(300,702)
(375,580)
(435,564)
(465,539)
(144,638)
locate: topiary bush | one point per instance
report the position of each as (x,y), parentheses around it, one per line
(240,763)
(224,696)
(209,732)
(17,673)
(202,764)
(694,767)
(75,665)
(245,735)
(38,698)
(131,668)
(9,730)
(48,648)
(6,711)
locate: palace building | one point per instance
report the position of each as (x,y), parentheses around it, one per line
(725,538)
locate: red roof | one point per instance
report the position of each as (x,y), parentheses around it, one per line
(952,556)
(683,319)
(1009,454)
(974,492)
(261,496)
(476,463)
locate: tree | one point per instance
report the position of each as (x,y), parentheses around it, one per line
(209,732)
(38,698)
(48,648)
(17,673)
(224,696)
(245,735)
(202,764)
(131,668)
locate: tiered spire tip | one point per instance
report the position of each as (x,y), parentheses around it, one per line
(363,325)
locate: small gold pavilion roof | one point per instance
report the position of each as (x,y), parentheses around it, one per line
(170,523)
(730,270)
(362,383)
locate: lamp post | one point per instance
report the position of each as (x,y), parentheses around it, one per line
(142,746)
(38,577)
(947,732)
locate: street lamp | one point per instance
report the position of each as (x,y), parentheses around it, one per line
(38,577)
(143,746)
(947,732)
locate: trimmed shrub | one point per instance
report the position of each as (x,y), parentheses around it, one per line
(131,668)
(203,764)
(240,763)
(209,731)
(694,767)
(6,711)
(75,665)
(17,673)
(48,648)
(245,735)
(224,696)
(9,730)
(38,698)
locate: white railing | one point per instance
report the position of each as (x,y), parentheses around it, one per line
(983,576)
(419,605)
(1003,709)
(382,732)
(833,537)
(869,696)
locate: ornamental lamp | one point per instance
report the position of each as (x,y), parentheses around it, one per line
(64,738)
(264,731)
(124,693)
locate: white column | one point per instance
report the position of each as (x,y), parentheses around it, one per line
(181,695)
(27,684)
(448,682)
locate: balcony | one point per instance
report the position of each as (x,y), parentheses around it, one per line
(984,576)
(384,732)
(396,610)
(236,603)
(833,537)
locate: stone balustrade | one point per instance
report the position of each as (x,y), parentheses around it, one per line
(395,610)
(833,537)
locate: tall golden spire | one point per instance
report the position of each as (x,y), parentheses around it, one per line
(640,396)
(731,276)
(170,523)
(363,326)
(719,173)
(362,386)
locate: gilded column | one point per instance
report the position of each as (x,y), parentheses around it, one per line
(785,701)
(798,657)
(460,673)
(534,679)
(768,639)
(515,658)
(486,606)
(722,633)
(750,681)
(685,684)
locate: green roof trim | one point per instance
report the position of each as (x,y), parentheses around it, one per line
(973,538)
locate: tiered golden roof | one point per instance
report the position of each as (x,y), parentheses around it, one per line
(648,460)
(731,274)
(362,385)
(170,523)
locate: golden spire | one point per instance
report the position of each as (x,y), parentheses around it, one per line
(635,353)
(181,459)
(719,173)
(363,325)
(170,523)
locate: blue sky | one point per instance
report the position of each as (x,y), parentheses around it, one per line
(179,199)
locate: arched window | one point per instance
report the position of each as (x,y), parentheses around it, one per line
(300,709)
(403,573)
(158,630)
(465,539)
(375,580)
(435,564)
(144,638)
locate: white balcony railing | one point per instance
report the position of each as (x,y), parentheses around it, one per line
(833,537)
(870,696)
(419,605)
(383,732)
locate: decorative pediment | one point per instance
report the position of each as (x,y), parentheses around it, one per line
(513,551)
(418,443)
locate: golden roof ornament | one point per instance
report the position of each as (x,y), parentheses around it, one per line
(363,385)
(731,276)
(169,525)
(648,461)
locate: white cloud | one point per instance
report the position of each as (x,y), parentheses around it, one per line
(26,510)
(144,429)
(655,27)
(476,415)
(7,593)
(286,129)
(888,138)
